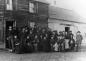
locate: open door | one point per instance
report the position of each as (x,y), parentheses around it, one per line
(67,29)
(8,24)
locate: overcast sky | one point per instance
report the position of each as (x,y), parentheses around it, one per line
(77,5)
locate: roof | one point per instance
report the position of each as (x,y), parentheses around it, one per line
(43,1)
(61,13)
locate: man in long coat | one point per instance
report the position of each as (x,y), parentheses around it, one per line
(78,40)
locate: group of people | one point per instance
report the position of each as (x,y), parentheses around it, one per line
(36,39)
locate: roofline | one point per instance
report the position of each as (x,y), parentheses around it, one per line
(42,2)
(68,20)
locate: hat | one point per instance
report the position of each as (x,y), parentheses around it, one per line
(78,32)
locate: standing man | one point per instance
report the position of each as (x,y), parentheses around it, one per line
(9,41)
(78,40)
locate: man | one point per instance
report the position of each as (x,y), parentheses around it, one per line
(9,39)
(35,43)
(78,40)
(45,44)
(71,43)
(52,42)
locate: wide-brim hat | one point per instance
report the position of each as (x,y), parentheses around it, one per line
(78,32)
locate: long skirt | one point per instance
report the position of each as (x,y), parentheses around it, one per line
(67,44)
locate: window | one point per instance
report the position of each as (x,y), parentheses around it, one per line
(31,7)
(9,5)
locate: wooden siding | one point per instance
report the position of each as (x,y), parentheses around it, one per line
(22,5)
(2,6)
(42,9)
(20,17)
(2,2)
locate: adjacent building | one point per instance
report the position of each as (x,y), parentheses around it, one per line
(60,19)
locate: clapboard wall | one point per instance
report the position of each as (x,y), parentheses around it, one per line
(23,16)
(20,12)
(2,6)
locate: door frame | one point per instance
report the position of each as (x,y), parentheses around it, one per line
(14,24)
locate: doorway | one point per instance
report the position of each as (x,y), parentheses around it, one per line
(8,24)
(67,29)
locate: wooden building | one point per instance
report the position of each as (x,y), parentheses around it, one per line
(2,7)
(20,13)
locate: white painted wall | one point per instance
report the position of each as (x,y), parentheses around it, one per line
(82,29)
(56,25)
(61,13)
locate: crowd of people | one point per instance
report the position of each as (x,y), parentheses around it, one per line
(36,39)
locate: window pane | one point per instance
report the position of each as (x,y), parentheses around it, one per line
(31,7)
(9,5)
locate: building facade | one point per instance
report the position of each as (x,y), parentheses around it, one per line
(30,12)
(20,13)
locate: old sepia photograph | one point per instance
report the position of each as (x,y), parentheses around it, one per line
(42,30)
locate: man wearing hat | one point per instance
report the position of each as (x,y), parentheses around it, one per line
(78,40)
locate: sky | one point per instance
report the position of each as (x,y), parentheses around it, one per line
(79,6)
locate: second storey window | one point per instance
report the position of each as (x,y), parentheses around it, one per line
(9,5)
(31,7)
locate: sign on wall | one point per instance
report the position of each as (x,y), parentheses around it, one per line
(9,5)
